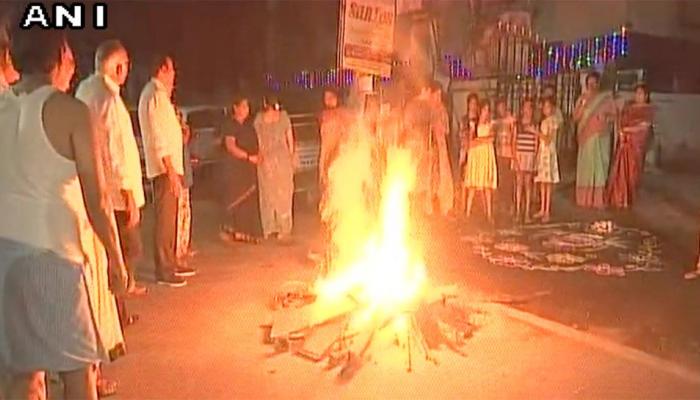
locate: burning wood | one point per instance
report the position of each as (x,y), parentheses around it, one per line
(375,286)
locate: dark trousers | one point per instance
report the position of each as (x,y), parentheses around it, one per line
(165,233)
(130,241)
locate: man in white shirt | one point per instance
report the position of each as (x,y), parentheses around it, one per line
(101,93)
(163,147)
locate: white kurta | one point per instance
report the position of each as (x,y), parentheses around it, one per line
(111,117)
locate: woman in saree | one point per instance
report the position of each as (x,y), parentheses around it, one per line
(593,113)
(441,179)
(276,169)
(241,203)
(628,164)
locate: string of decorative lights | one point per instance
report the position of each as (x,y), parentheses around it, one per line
(544,59)
(582,54)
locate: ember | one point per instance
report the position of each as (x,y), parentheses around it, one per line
(375,286)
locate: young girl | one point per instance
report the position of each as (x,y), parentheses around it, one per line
(547,162)
(504,128)
(524,163)
(467,131)
(481,172)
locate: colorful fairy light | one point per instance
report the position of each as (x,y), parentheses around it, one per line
(544,59)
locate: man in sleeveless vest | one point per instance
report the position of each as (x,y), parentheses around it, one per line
(59,252)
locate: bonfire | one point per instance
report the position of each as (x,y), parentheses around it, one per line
(374,286)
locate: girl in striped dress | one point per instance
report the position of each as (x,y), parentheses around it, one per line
(524,162)
(547,162)
(481,174)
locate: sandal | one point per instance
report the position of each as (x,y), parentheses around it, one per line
(135,290)
(106,387)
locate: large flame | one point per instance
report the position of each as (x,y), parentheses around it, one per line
(368,207)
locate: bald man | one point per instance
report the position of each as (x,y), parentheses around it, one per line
(101,92)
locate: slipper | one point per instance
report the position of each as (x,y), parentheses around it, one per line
(132,319)
(244,238)
(692,275)
(106,387)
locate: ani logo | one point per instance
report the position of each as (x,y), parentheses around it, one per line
(63,16)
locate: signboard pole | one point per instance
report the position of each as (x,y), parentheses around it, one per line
(341,34)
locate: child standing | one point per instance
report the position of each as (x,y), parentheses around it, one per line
(504,128)
(524,164)
(547,162)
(466,132)
(481,174)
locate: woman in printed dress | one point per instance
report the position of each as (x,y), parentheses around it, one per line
(276,168)
(481,174)
(547,160)
(628,164)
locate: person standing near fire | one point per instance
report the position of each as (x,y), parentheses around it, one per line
(276,169)
(163,143)
(481,174)
(60,261)
(441,180)
(183,246)
(241,200)
(467,130)
(334,123)
(416,137)
(504,128)
(101,93)
(547,160)
(525,151)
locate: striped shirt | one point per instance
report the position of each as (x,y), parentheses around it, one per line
(526,138)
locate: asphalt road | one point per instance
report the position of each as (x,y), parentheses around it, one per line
(203,341)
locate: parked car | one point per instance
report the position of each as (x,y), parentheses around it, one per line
(207,148)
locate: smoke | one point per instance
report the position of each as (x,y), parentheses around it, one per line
(348,197)
(366,184)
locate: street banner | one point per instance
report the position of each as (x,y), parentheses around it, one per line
(366,39)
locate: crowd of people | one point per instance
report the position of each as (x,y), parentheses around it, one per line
(71,181)
(72,193)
